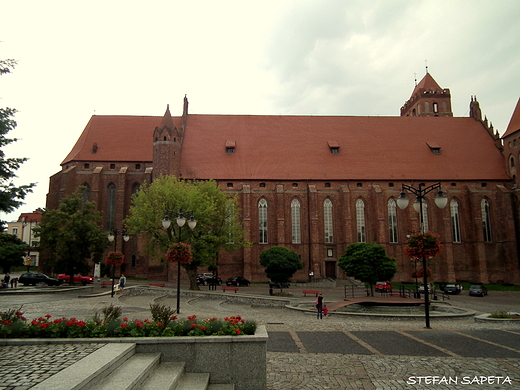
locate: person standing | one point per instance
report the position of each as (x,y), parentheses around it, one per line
(122,282)
(319,306)
(7,278)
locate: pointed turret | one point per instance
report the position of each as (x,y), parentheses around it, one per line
(167,120)
(428,99)
(474,109)
(514,123)
(167,147)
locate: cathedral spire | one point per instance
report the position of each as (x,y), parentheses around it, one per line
(167,120)
(428,99)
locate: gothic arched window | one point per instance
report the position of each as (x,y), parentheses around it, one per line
(327,221)
(85,193)
(295,222)
(455,220)
(392,221)
(111,206)
(486,220)
(360,221)
(262,221)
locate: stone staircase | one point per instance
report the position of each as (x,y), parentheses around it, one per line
(116,366)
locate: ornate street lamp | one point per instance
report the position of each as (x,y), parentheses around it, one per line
(440,200)
(181,221)
(112,237)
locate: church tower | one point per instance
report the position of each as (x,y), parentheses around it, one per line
(428,99)
(167,147)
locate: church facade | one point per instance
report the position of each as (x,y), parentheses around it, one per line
(315,184)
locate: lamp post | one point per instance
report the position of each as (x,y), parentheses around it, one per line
(440,200)
(414,259)
(181,221)
(112,237)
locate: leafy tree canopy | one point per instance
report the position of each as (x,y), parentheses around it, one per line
(11,196)
(12,251)
(280,263)
(71,234)
(367,262)
(216,213)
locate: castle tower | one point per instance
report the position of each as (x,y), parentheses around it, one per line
(167,147)
(428,99)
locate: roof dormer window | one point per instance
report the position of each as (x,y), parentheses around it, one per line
(334,147)
(434,147)
(230,146)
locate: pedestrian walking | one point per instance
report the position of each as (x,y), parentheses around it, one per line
(122,282)
(319,306)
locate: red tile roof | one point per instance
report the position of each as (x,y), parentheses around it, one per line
(297,147)
(514,123)
(427,83)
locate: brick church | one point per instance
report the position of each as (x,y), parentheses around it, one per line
(315,184)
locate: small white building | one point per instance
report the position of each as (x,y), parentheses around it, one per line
(23,229)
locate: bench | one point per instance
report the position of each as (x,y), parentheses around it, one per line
(226,288)
(156,284)
(105,283)
(313,292)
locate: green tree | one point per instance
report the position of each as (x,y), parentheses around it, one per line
(368,263)
(12,251)
(280,263)
(218,227)
(71,235)
(11,196)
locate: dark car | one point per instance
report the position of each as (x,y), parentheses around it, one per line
(36,278)
(478,290)
(237,281)
(278,285)
(208,279)
(452,289)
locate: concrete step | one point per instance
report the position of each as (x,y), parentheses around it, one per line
(166,376)
(131,374)
(193,381)
(91,370)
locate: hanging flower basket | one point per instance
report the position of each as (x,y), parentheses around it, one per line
(179,253)
(423,244)
(115,258)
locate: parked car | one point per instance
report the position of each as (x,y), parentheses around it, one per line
(452,289)
(208,278)
(36,278)
(478,290)
(278,285)
(78,278)
(237,281)
(421,288)
(383,287)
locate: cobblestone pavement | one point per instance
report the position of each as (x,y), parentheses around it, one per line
(24,366)
(21,367)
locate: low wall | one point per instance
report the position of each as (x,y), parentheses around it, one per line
(252,300)
(240,360)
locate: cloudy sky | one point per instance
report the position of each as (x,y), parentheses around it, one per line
(319,57)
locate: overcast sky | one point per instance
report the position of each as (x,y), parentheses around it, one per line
(242,57)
